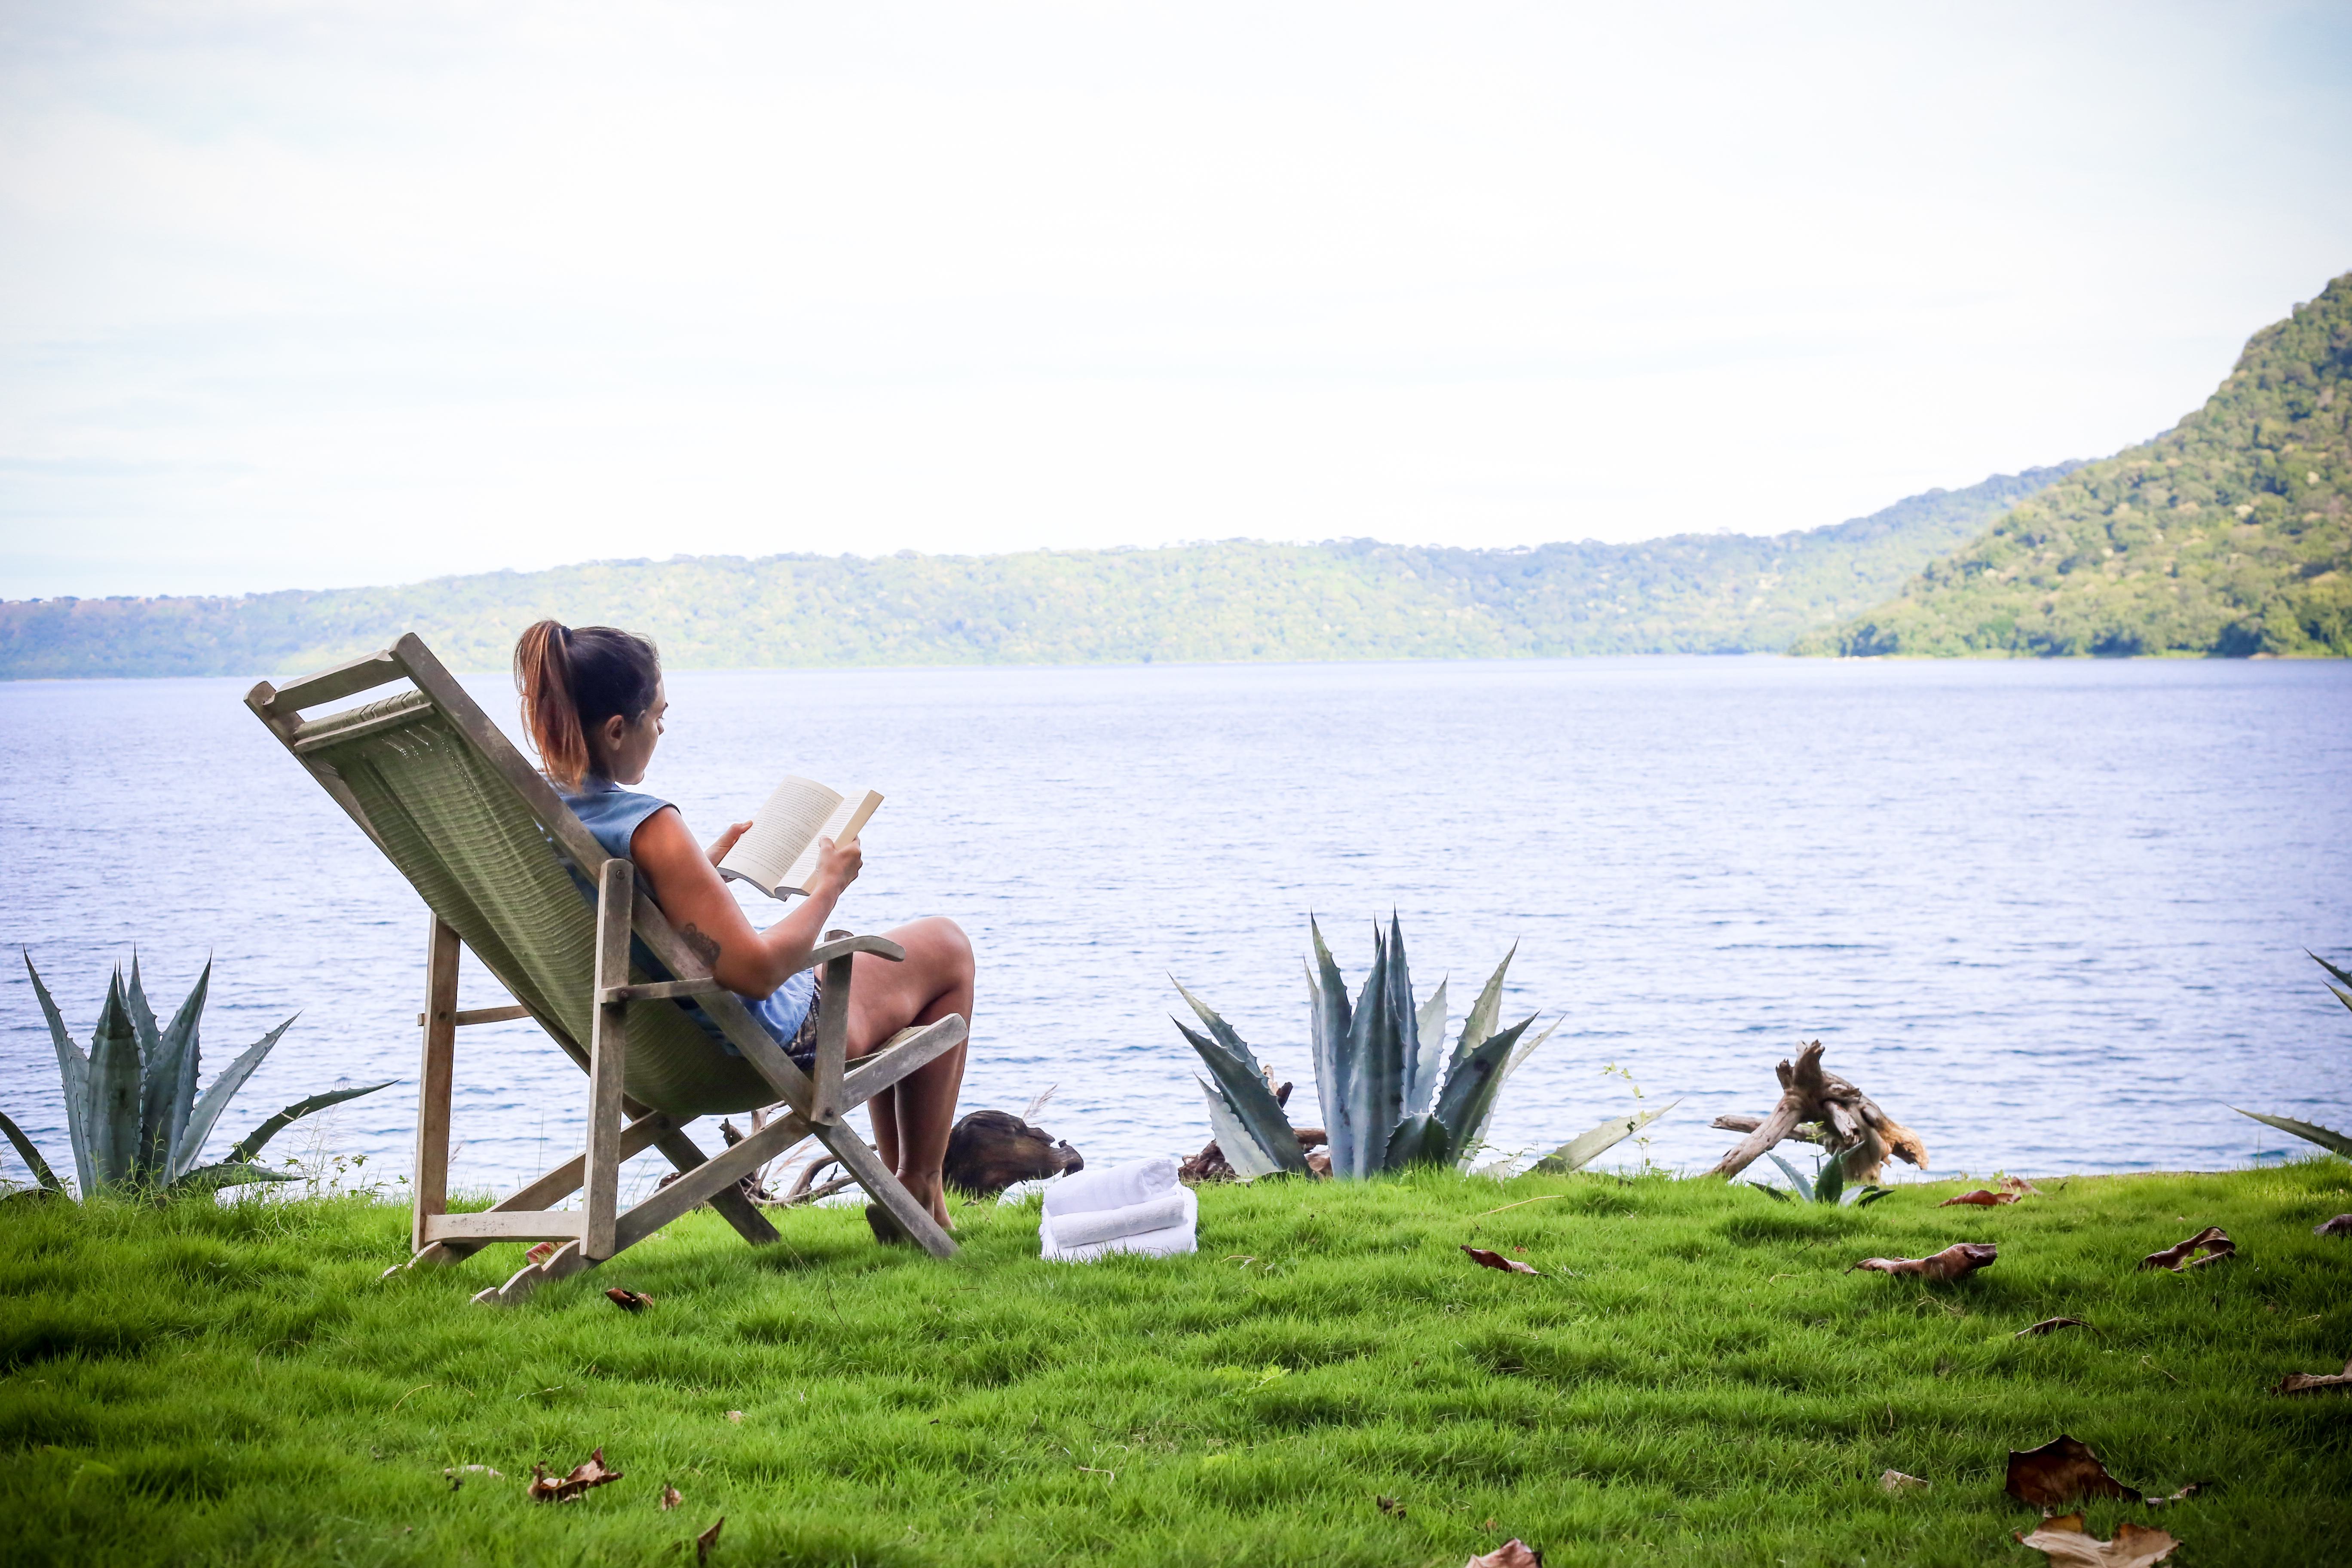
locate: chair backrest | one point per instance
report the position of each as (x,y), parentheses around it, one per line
(449,801)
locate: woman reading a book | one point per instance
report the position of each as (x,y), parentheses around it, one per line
(592,703)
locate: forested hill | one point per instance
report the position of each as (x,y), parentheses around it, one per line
(1233,600)
(2230,534)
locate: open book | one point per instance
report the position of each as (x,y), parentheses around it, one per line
(777,853)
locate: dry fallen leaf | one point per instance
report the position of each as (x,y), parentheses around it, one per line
(2048,1325)
(1982,1197)
(706,1539)
(628,1301)
(1493,1259)
(456,1474)
(2340,1225)
(2315,1382)
(540,1253)
(1896,1481)
(2069,1546)
(2060,1472)
(1966,1257)
(736,1416)
(1391,1505)
(2213,1240)
(670,1498)
(2020,1186)
(1512,1554)
(545,1487)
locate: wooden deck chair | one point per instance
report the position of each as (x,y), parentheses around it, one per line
(485,840)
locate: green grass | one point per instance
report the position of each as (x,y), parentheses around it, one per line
(1693,1378)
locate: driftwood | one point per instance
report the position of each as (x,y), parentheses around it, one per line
(1211,1165)
(989,1151)
(1850,1124)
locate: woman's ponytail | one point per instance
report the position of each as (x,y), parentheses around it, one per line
(570,681)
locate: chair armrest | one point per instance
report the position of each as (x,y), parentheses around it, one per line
(840,944)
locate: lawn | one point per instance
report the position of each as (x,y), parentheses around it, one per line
(1693,1377)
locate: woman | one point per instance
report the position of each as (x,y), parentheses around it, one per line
(592,704)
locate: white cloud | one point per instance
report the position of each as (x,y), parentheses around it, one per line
(306,294)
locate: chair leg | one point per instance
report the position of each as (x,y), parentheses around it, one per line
(433,1076)
(607,1049)
(867,1165)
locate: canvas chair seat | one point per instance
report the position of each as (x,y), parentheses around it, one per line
(474,853)
(503,865)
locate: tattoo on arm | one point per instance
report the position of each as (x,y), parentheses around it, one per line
(704,947)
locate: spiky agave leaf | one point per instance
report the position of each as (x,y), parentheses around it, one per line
(1804,1188)
(1396,997)
(1419,1139)
(1376,1067)
(1428,1059)
(1830,1183)
(73,1073)
(1474,1136)
(1235,1070)
(1468,1097)
(1329,1019)
(214,1100)
(227,1173)
(2310,1131)
(113,1104)
(1235,1143)
(1869,1195)
(1586,1147)
(253,1141)
(182,1059)
(2341,995)
(1484,1014)
(30,1155)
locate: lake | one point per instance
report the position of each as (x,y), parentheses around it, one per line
(2050,915)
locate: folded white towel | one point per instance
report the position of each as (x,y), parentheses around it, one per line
(1133,1219)
(1177,1238)
(1112,1187)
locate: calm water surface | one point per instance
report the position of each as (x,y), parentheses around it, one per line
(2051,915)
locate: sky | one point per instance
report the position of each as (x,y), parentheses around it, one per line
(309,295)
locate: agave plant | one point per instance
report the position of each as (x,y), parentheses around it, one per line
(1392,1095)
(1828,1185)
(2325,1137)
(132,1107)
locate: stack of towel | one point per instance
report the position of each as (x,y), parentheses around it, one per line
(1137,1207)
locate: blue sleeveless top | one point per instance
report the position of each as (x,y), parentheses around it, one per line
(613,815)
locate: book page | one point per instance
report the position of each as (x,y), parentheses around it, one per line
(781,830)
(845,824)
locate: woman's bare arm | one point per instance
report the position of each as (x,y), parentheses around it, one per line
(680,877)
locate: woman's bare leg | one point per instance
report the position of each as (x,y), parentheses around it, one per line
(912,1118)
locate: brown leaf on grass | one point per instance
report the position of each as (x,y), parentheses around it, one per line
(2340,1225)
(1964,1257)
(1512,1554)
(2316,1383)
(1390,1505)
(706,1539)
(540,1253)
(628,1301)
(736,1416)
(1896,1481)
(2020,1187)
(1982,1197)
(2048,1325)
(670,1498)
(545,1487)
(2213,1241)
(1490,1259)
(2068,1545)
(2060,1472)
